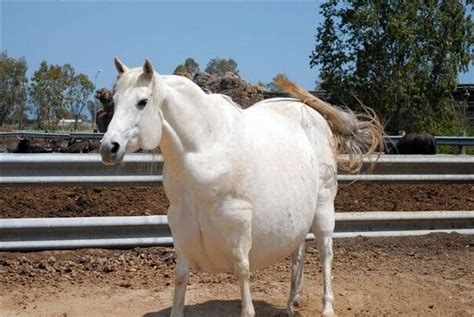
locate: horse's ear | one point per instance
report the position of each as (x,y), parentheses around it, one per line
(148,68)
(121,68)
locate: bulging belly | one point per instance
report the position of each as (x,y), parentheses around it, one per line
(273,242)
(206,249)
(282,214)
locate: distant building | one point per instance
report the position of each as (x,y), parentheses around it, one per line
(68,122)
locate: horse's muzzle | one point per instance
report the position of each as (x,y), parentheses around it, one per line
(112,153)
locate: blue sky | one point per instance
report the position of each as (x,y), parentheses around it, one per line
(265,37)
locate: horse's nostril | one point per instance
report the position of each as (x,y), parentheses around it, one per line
(115,147)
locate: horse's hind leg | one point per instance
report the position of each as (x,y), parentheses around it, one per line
(182,274)
(296,289)
(323,228)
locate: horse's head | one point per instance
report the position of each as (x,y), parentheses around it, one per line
(136,122)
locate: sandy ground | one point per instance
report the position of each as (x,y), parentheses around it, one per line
(410,276)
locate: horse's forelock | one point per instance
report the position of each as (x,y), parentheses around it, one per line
(124,81)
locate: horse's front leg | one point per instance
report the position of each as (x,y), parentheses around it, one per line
(241,269)
(296,289)
(234,220)
(181,279)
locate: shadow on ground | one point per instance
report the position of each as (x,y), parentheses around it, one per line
(219,308)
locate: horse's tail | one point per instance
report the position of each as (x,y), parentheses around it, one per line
(357,135)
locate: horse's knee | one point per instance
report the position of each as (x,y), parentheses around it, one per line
(182,273)
(242,266)
(324,242)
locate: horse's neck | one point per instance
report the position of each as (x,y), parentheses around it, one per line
(193,121)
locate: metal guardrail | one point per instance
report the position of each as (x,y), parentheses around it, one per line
(440,140)
(78,170)
(113,232)
(146,169)
(53,135)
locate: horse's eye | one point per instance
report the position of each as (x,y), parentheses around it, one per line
(142,103)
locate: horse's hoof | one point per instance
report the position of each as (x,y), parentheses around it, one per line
(292,313)
(249,312)
(291,309)
(328,313)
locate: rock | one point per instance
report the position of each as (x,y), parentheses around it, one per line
(26,269)
(241,92)
(108,268)
(43,265)
(125,284)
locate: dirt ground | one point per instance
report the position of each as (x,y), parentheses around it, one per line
(411,276)
(130,201)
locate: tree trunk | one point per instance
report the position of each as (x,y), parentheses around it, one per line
(2,119)
(20,123)
(39,125)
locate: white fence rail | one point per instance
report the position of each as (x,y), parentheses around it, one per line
(125,232)
(146,169)
(440,140)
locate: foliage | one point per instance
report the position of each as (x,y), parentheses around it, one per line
(272,87)
(47,92)
(77,95)
(190,67)
(219,66)
(92,107)
(13,89)
(180,70)
(399,57)
(57,93)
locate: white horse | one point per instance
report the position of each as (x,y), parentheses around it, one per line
(245,186)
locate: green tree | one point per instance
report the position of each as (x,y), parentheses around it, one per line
(221,66)
(272,87)
(191,66)
(13,89)
(399,57)
(48,91)
(180,70)
(77,94)
(92,107)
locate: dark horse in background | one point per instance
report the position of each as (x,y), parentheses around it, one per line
(104,115)
(414,143)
